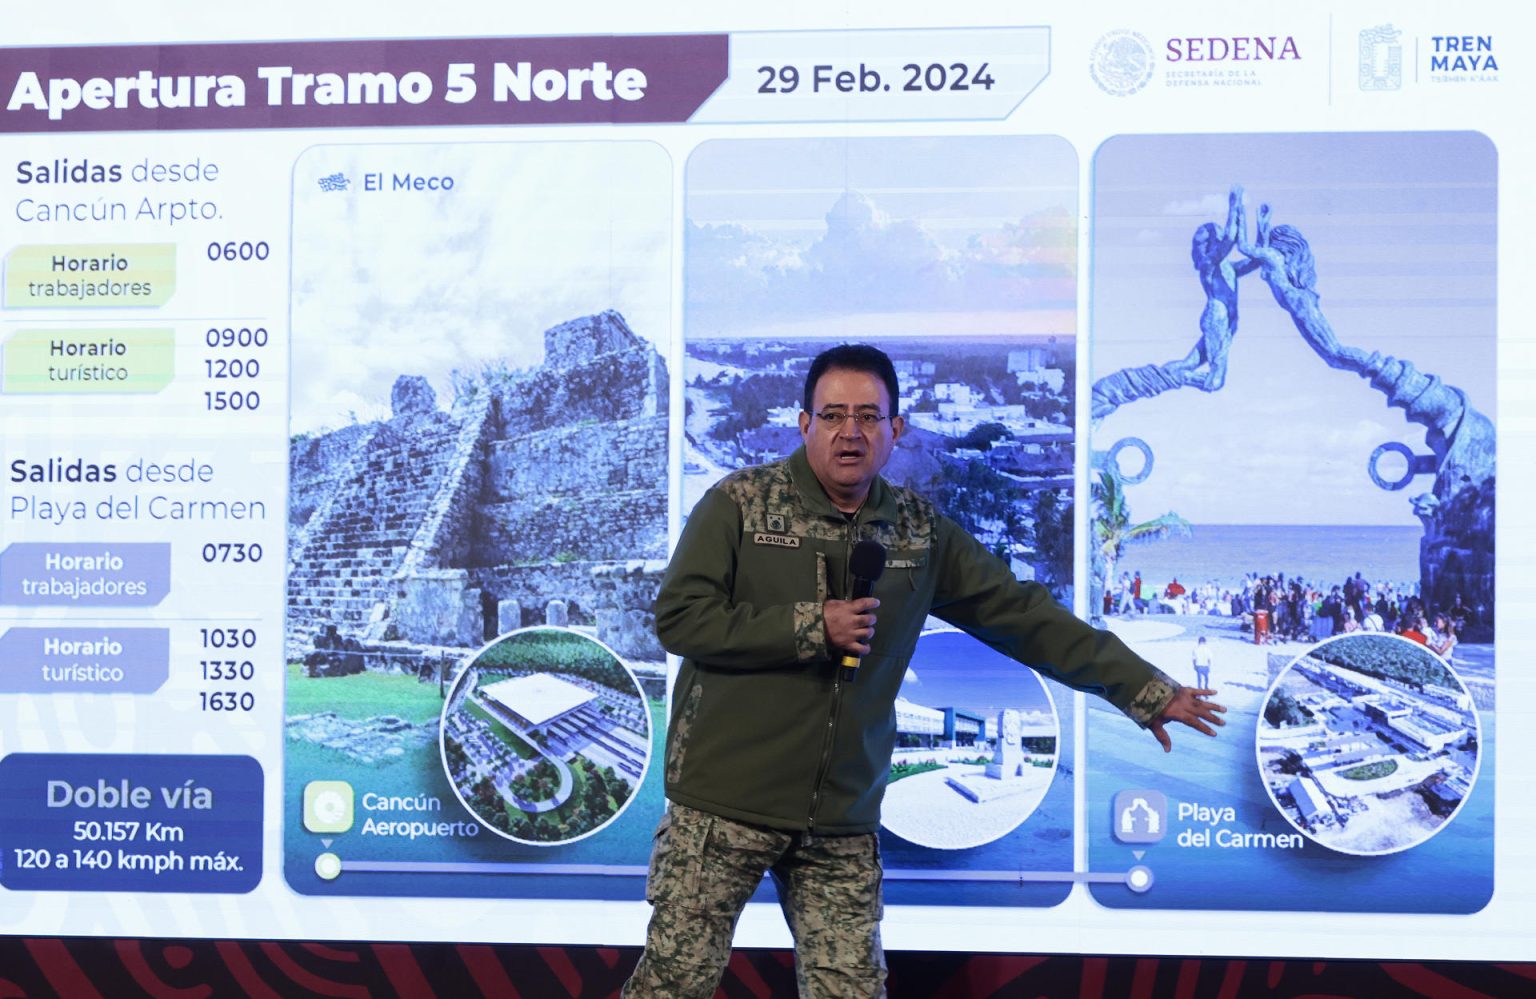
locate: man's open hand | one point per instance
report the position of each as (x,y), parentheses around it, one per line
(1189,707)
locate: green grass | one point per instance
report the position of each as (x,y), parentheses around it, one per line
(627,841)
(362,695)
(900,770)
(1370,771)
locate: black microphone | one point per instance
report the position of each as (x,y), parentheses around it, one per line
(866,563)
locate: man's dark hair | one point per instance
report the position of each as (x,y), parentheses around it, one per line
(854,357)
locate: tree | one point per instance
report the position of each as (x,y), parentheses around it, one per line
(1052,538)
(1113,530)
(486,798)
(982,436)
(749,401)
(1283,711)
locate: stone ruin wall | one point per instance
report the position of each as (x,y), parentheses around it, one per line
(1456,557)
(313,465)
(577,341)
(579,459)
(446,534)
(578,479)
(615,598)
(580,474)
(572,388)
(464,608)
(586,433)
(343,559)
(593,491)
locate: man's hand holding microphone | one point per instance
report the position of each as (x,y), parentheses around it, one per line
(851,623)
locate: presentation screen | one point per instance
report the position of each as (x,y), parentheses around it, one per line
(360,366)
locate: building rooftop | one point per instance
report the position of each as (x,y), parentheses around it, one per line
(538,698)
(1308,797)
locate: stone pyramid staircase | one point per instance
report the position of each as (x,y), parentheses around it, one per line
(346,556)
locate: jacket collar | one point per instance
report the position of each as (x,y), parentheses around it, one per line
(879,505)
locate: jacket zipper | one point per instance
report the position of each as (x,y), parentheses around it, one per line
(832,712)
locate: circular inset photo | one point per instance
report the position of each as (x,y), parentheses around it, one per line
(546,736)
(1368,744)
(977,743)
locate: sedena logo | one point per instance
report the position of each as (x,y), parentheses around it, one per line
(1237,48)
(1122,62)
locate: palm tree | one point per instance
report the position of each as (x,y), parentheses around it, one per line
(1113,530)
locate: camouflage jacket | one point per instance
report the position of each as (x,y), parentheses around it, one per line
(763,729)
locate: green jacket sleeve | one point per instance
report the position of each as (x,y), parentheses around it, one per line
(978,594)
(697,615)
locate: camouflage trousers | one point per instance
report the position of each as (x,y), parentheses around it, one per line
(703,870)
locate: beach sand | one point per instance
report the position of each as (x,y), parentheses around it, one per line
(1240,670)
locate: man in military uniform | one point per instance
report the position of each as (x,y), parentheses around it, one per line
(774,761)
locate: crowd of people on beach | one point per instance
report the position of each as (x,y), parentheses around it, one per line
(1276,608)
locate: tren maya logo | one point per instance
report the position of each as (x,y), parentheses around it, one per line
(1462,59)
(1122,62)
(1381,58)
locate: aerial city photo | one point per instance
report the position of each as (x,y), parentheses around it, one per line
(957,256)
(989,436)
(1368,744)
(968,283)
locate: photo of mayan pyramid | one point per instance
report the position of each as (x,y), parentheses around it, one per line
(537,496)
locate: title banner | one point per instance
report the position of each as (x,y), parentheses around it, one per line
(357,84)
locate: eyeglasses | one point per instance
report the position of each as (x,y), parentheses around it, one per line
(834,420)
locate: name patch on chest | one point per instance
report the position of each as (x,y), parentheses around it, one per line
(776,540)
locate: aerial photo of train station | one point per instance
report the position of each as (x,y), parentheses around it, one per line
(546,736)
(1369,744)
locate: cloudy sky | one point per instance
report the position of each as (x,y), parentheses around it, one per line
(881,237)
(532,234)
(1403,229)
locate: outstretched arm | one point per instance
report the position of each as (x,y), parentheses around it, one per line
(1234,213)
(1290,275)
(1258,251)
(1237,223)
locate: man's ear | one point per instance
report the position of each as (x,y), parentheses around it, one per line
(898,427)
(805,424)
